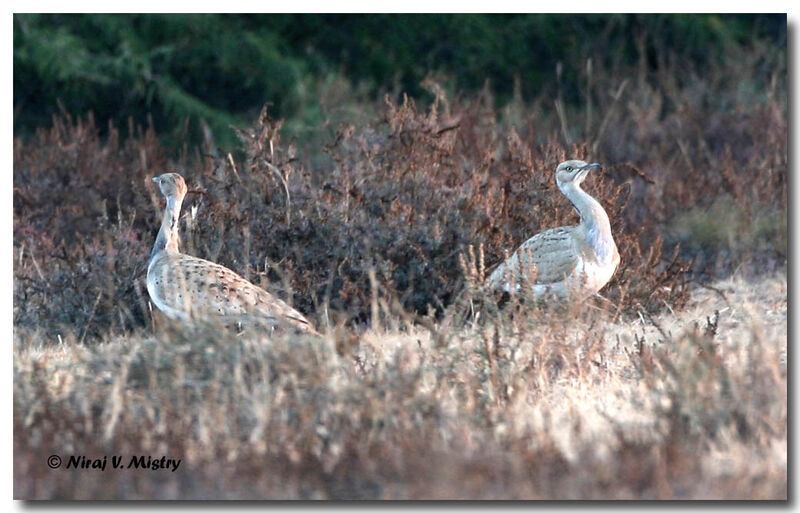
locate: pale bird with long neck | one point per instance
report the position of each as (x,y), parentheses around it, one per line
(189,288)
(569,262)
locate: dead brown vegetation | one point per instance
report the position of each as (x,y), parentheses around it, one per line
(402,199)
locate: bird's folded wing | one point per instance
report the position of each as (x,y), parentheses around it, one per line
(191,284)
(549,257)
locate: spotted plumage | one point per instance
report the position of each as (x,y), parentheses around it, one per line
(568,262)
(190,288)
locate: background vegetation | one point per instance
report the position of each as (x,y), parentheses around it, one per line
(180,69)
(398,159)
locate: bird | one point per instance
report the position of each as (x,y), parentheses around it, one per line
(189,288)
(568,263)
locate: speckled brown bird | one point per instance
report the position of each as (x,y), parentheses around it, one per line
(190,288)
(568,262)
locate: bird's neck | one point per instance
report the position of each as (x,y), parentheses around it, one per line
(168,239)
(593,218)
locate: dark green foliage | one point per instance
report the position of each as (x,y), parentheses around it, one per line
(223,68)
(175,67)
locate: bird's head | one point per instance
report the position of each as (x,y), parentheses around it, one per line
(172,185)
(573,171)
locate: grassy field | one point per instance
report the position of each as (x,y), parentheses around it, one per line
(376,223)
(675,406)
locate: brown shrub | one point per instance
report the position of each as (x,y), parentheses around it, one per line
(400,199)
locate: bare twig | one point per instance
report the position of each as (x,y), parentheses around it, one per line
(286,189)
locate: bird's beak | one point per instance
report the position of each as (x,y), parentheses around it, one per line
(155,179)
(584,170)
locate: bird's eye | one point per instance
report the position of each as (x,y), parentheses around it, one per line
(568,168)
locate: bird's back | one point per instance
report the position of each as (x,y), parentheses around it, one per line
(187,287)
(546,258)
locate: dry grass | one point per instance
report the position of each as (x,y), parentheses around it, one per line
(691,405)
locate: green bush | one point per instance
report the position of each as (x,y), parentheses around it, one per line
(182,69)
